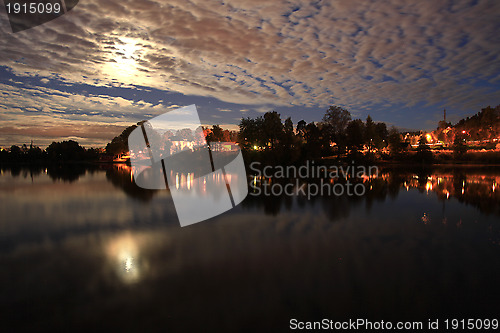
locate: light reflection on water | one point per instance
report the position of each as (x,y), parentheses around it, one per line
(124,252)
(87,247)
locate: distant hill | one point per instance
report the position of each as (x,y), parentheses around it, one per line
(483,125)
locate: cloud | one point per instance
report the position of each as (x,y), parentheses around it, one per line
(263,109)
(355,54)
(50,114)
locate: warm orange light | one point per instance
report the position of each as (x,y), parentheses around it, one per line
(123,251)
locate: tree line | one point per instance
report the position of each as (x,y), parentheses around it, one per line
(273,139)
(266,136)
(336,135)
(69,150)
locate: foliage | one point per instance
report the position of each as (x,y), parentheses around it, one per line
(216,134)
(459,146)
(273,128)
(356,132)
(301,126)
(395,141)
(336,120)
(424,153)
(251,132)
(119,144)
(56,152)
(67,150)
(313,141)
(484,125)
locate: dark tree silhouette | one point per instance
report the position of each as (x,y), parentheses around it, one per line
(251,132)
(424,153)
(273,128)
(395,141)
(66,151)
(355,134)
(459,146)
(336,120)
(119,144)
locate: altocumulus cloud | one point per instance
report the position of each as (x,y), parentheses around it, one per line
(357,54)
(45,113)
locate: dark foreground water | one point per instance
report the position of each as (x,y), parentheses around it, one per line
(84,248)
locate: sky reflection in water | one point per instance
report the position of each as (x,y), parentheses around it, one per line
(93,249)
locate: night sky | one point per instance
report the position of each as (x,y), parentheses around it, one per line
(107,64)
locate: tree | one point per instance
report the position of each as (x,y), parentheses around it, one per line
(251,132)
(119,144)
(35,153)
(186,134)
(488,116)
(313,138)
(370,132)
(199,136)
(155,139)
(217,134)
(336,120)
(288,127)
(395,141)
(375,133)
(355,134)
(67,151)
(424,153)
(459,146)
(301,126)
(92,154)
(15,152)
(381,135)
(288,135)
(273,128)
(443,124)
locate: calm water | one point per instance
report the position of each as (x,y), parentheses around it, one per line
(85,248)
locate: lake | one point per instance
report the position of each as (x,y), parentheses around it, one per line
(84,247)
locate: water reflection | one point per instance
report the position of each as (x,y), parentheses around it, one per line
(66,173)
(474,186)
(124,253)
(477,186)
(98,251)
(120,175)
